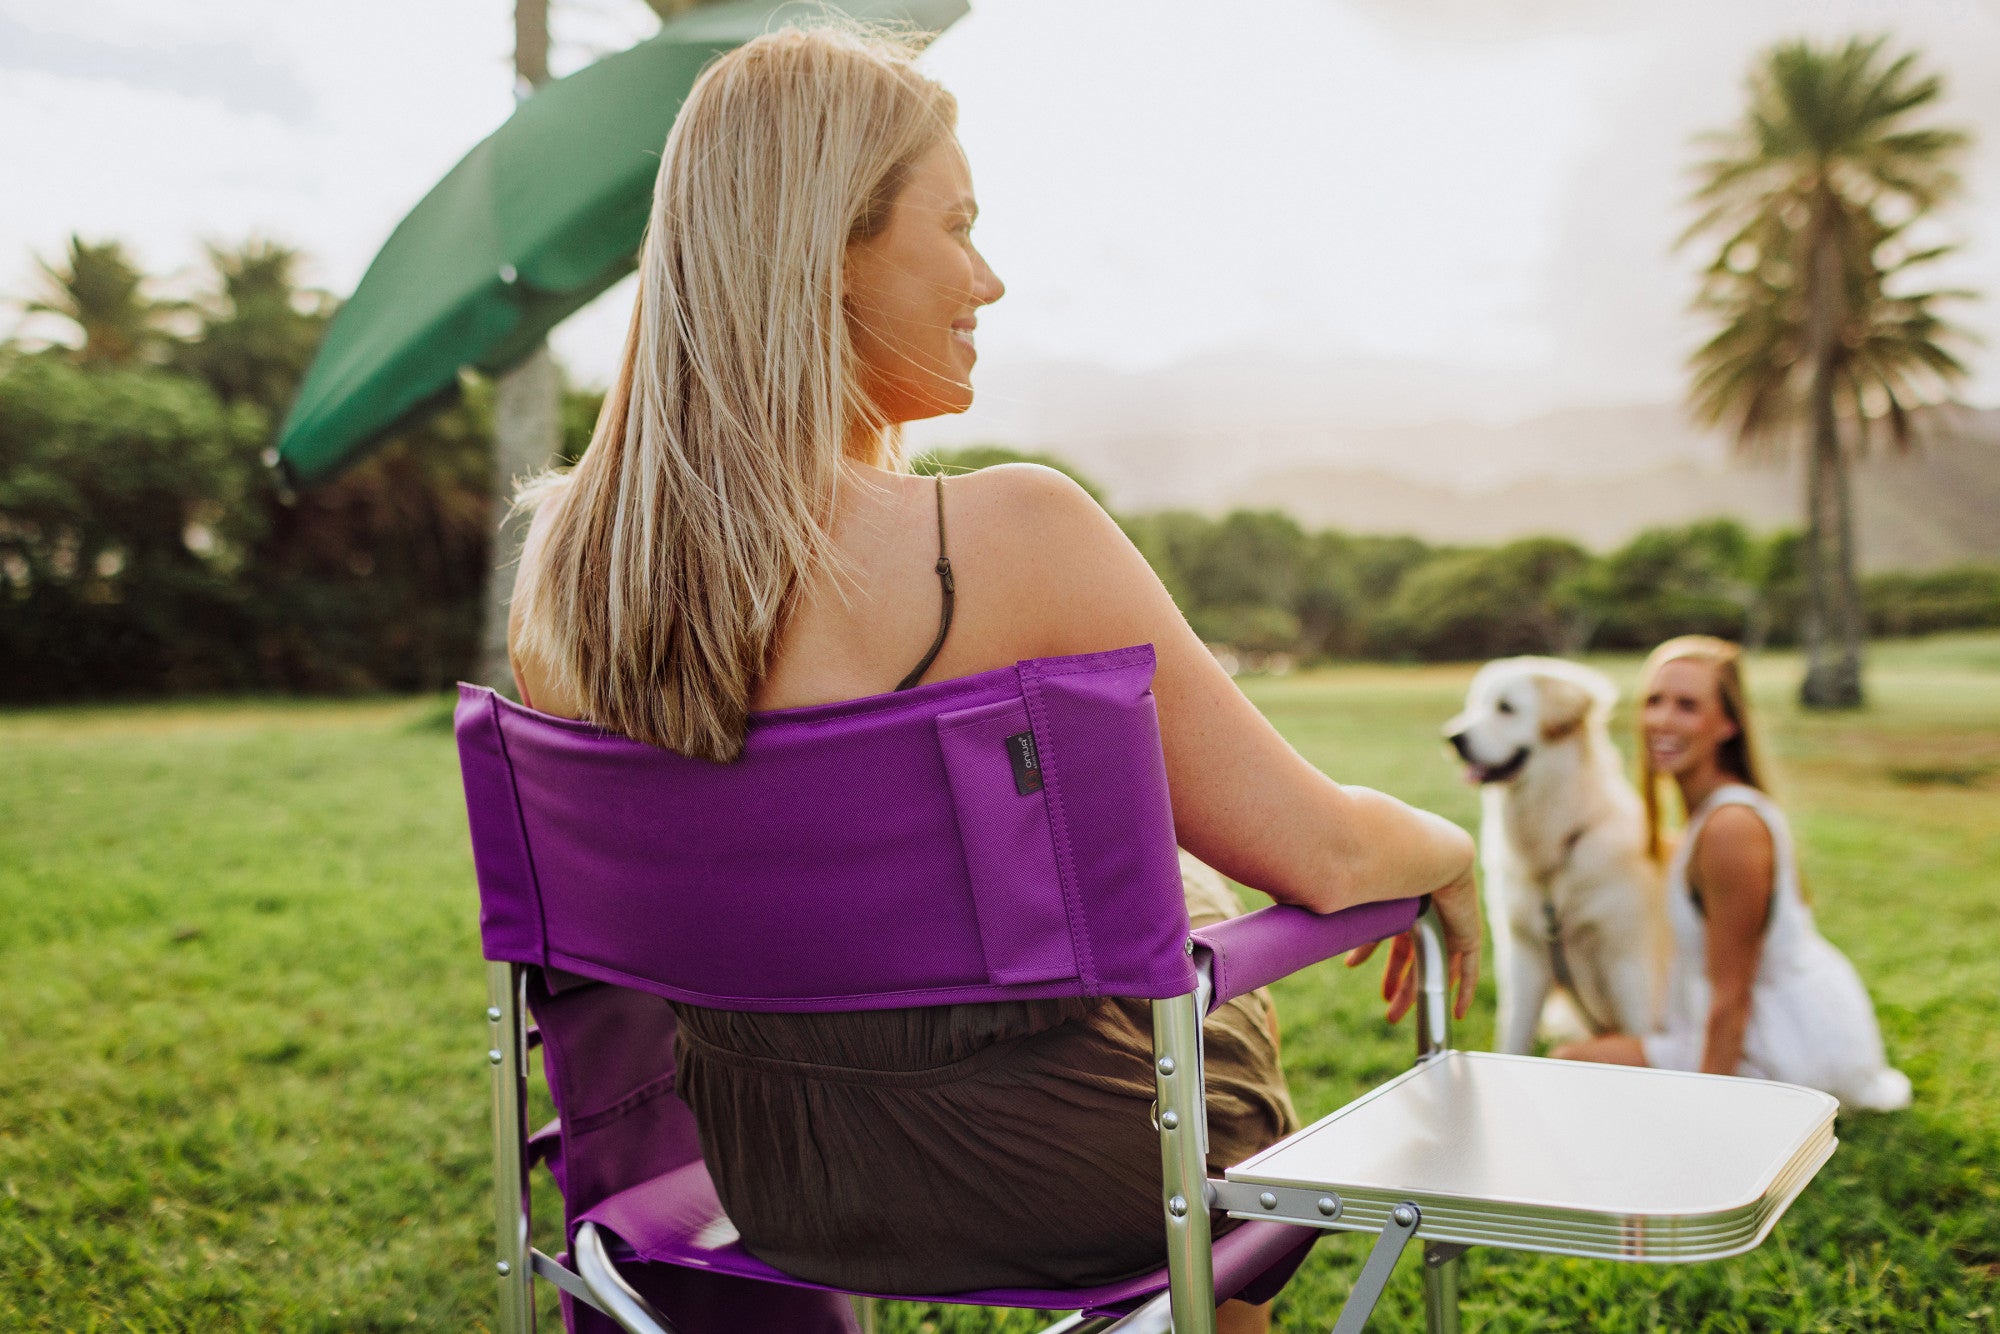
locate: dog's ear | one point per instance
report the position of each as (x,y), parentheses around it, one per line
(1564,706)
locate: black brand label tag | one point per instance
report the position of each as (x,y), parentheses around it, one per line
(1027,764)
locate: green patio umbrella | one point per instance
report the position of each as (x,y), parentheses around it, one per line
(540,217)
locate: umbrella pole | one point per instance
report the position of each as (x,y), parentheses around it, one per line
(527,432)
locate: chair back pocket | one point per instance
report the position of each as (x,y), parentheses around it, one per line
(992,757)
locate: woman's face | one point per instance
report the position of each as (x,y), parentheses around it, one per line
(1683,718)
(914,290)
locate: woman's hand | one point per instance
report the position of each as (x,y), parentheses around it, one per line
(1457,907)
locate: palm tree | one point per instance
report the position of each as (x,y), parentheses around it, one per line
(1815,194)
(257,329)
(100,290)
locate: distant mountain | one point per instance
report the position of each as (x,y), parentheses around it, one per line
(1385,445)
(1936,506)
(1191,433)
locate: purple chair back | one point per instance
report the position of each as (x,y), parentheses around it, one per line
(1005,835)
(1000,836)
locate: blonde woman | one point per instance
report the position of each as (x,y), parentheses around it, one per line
(742,535)
(1754,988)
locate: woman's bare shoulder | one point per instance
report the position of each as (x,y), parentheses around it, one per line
(1056,572)
(1733,830)
(1037,522)
(1735,852)
(1022,495)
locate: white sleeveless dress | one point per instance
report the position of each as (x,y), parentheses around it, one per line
(1811,1021)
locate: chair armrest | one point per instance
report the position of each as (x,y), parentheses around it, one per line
(1258,948)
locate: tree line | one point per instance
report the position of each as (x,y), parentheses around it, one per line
(1258,585)
(146,548)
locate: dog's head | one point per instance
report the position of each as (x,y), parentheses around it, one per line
(1517,706)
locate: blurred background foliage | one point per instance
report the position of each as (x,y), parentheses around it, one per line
(146,549)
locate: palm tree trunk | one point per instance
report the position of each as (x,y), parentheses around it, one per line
(1849,619)
(1832,613)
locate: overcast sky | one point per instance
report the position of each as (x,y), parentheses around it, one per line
(1490,187)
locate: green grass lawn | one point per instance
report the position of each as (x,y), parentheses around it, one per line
(244,1084)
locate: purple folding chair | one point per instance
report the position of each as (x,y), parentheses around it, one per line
(1002,836)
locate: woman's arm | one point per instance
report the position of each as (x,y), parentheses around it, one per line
(1733,868)
(1244,801)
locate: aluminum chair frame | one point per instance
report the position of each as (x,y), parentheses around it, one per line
(1187,1193)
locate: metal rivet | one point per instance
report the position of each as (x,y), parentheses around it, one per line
(1169,1119)
(1166,1065)
(1268,1200)
(1404,1215)
(494,1056)
(493,1014)
(504,1267)
(1177,1206)
(508,274)
(1329,1206)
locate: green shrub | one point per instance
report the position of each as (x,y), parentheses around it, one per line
(1704,578)
(145,550)
(1484,603)
(1963,597)
(128,512)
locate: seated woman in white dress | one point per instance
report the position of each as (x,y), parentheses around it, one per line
(1754,988)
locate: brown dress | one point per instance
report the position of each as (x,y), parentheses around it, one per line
(965,1146)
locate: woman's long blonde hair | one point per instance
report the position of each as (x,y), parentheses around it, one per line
(1739,756)
(677,544)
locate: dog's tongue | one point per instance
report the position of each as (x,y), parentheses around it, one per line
(1472,775)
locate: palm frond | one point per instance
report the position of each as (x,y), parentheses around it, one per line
(1825,146)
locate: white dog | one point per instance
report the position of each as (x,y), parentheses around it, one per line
(1571,898)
